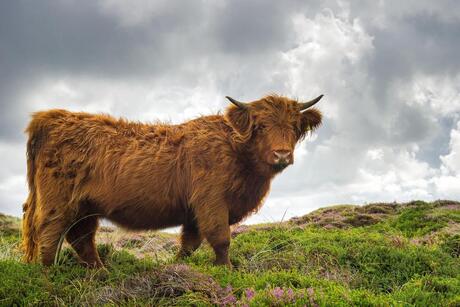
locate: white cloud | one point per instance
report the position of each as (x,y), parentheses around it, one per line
(451,161)
(12,178)
(134,99)
(375,154)
(326,48)
(12,194)
(447,187)
(439,94)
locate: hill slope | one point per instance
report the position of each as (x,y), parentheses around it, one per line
(378,254)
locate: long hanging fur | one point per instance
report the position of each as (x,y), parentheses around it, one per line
(37,137)
(204,174)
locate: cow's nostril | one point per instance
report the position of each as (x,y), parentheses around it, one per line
(282,154)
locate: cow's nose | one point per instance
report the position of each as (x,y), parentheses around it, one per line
(282,156)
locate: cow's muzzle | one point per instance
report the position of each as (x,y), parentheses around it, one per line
(282,157)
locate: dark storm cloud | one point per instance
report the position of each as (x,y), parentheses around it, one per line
(82,38)
(255,26)
(79,37)
(39,39)
(12,114)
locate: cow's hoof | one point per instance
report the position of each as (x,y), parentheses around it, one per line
(227,263)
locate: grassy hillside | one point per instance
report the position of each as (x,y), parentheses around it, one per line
(378,254)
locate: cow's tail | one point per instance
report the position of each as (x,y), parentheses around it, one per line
(37,135)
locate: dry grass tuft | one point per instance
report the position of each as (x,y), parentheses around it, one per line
(170,282)
(347,216)
(157,245)
(447,204)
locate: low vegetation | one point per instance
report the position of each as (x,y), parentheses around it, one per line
(377,254)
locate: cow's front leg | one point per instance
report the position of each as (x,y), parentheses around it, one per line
(213,225)
(190,240)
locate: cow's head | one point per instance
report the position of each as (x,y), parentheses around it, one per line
(271,127)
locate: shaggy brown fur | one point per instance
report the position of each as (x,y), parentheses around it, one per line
(205,174)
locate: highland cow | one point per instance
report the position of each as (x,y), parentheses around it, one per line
(205,174)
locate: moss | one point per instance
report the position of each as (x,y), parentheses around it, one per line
(421,218)
(22,284)
(451,245)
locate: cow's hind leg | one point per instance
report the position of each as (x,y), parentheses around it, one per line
(190,240)
(51,231)
(82,238)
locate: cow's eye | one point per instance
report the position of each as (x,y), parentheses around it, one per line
(261,127)
(298,132)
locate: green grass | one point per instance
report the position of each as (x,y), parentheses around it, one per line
(416,220)
(380,254)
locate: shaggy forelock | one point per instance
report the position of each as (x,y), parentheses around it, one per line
(278,109)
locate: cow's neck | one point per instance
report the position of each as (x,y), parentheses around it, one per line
(248,191)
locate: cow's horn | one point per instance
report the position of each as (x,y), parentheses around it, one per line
(306,105)
(236,102)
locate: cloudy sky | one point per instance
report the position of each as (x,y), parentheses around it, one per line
(390,72)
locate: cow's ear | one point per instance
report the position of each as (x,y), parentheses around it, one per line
(311,119)
(240,120)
